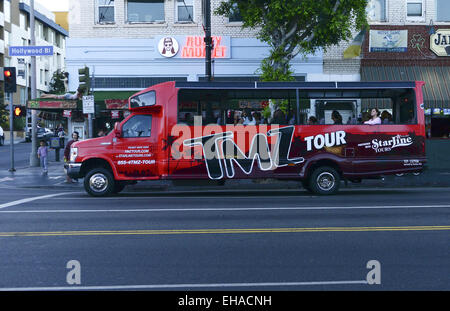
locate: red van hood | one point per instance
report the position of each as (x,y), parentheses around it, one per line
(93,142)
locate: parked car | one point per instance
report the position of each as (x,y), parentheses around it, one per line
(2,137)
(44,133)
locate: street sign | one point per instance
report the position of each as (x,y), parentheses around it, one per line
(31,50)
(88,104)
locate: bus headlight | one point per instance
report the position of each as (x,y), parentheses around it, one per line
(73,154)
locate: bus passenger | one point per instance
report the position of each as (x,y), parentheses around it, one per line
(257,116)
(386,117)
(336,117)
(247,118)
(312,120)
(279,117)
(374,117)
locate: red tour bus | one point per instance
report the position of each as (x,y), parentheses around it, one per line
(319,133)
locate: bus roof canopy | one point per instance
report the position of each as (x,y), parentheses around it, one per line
(295,85)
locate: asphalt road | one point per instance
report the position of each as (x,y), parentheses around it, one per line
(21,156)
(225,240)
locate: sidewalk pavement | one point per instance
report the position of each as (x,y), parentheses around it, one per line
(16,141)
(32,177)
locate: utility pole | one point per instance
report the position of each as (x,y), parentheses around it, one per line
(208,39)
(11,131)
(33,156)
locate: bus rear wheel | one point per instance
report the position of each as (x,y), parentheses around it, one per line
(99,182)
(324,180)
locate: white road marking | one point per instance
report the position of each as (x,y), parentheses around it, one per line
(222,209)
(166,286)
(6,179)
(56,177)
(18,202)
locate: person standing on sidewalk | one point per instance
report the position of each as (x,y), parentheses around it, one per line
(42,154)
(75,136)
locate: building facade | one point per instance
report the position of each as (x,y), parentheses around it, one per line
(17,33)
(410,40)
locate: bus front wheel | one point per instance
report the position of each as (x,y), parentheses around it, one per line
(99,182)
(324,180)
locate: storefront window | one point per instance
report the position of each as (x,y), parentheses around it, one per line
(443,10)
(144,11)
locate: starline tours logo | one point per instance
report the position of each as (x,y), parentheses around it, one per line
(387,145)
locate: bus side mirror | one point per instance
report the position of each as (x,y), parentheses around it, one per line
(117,132)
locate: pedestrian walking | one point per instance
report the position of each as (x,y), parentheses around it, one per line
(42,154)
(75,136)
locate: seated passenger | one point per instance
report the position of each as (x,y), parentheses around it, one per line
(386,117)
(258,118)
(336,117)
(279,117)
(247,118)
(312,120)
(374,117)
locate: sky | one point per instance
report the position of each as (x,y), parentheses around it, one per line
(55,5)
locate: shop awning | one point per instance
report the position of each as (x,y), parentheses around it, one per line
(437,80)
(113,99)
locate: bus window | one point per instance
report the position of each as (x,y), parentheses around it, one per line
(247,107)
(395,106)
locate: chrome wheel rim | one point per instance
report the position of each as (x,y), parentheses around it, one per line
(326,181)
(98,182)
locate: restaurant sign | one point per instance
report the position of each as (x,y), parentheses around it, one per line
(440,42)
(52,104)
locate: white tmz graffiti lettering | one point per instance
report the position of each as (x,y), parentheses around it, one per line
(220,152)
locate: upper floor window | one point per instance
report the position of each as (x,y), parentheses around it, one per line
(415,9)
(443,10)
(7,10)
(376,10)
(235,15)
(145,11)
(105,11)
(185,10)
(23,21)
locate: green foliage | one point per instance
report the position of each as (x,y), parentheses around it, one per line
(57,83)
(293,27)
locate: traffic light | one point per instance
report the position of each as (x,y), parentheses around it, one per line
(83,78)
(19,111)
(9,74)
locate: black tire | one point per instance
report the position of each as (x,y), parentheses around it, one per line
(99,182)
(324,180)
(2,141)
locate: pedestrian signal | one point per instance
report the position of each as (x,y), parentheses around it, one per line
(9,75)
(19,111)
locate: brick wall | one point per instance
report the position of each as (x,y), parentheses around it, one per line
(418,54)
